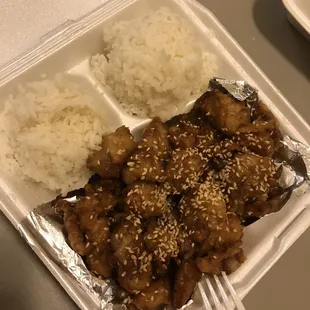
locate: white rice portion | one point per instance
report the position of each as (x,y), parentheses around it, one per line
(153,64)
(47,130)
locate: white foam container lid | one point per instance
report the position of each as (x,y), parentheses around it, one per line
(69,49)
(299,15)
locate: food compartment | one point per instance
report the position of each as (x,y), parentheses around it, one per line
(298,13)
(26,193)
(72,53)
(135,63)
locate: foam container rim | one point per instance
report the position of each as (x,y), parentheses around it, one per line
(291,223)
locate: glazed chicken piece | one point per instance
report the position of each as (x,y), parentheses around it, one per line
(227,260)
(163,237)
(186,279)
(134,263)
(157,294)
(207,137)
(145,199)
(115,150)
(92,219)
(226,233)
(182,131)
(261,208)
(75,235)
(95,227)
(98,233)
(220,153)
(60,206)
(143,166)
(136,278)
(183,170)
(225,113)
(203,208)
(125,236)
(99,263)
(146,163)
(233,261)
(262,136)
(86,225)
(189,131)
(155,138)
(97,185)
(100,200)
(247,178)
(257,140)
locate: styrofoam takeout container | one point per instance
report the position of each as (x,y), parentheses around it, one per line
(69,50)
(299,15)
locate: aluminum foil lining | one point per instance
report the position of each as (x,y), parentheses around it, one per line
(43,228)
(294,156)
(238,89)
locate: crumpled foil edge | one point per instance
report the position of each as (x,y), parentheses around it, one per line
(40,228)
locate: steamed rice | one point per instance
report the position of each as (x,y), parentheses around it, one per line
(47,130)
(153,64)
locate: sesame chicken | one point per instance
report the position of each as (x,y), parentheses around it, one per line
(183,170)
(203,209)
(186,279)
(220,153)
(274,203)
(227,232)
(147,162)
(233,261)
(146,199)
(161,211)
(157,294)
(143,166)
(163,237)
(135,279)
(99,263)
(60,206)
(126,237)
(247,178)
(115,149)
(160,268)
(134,263)
(155,137)
(225,113)
(226,259)
(97,184)
(86,225)
(262,136)
(99,233)
(189,131)
(75,235)
(182,132)
(100,202)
